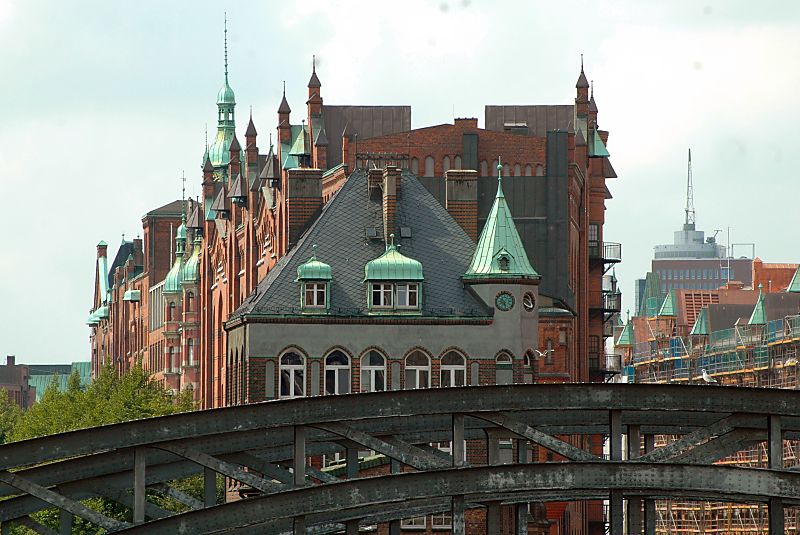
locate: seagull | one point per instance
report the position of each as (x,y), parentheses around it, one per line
(541,354)
(791,362)
(707,378)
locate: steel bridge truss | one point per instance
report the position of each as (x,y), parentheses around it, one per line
(267,446)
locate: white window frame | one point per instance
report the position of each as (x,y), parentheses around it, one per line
(416,523)
(317,290)
(449,371)
(384,290)
(339,373)
(292,372)
(443,520)
(417,371)
(370,371)
(405,292)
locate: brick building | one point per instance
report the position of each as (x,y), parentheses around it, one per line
(14,381)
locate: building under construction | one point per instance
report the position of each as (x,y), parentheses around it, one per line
(732,336)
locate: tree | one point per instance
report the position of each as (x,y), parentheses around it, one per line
(9,414)
(111,398)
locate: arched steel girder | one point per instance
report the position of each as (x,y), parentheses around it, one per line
(354,499)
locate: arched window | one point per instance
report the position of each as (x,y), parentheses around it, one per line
(539,170)
(171,311)
(292,375)
(504,369)
(418,370)
(190,352)
(172,365)
(373,372)
(506,170)
(446,164)
(484,168)
(454,369)
(457,163)
(337,373)
(429,166)
(493,170)
(189,301)
(528,170)
(415,166)
(528,364)
(517,170)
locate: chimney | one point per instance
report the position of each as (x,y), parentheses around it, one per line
(374,179)
(303,200)
(462,199)
(466,123)
(345,147)
(251,149)
(236,159)
(102,249)
(391,184)
(138,252)
(10,360)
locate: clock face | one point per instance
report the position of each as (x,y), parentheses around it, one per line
(504,301)
(528,302)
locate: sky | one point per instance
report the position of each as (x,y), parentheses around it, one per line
(106,105)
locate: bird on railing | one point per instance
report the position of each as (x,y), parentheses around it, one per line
(707,378)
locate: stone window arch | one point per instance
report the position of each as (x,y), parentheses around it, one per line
(418,370)
(429,166)
(504,369)
(453,369)
(373,371)
(292,375)
(337,373)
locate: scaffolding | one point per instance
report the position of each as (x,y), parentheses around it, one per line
(747,356)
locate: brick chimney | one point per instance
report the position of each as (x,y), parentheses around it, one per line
(10,360)
(303,200)
(345,147)
(391,185)
(102,249)
(466,123)
(461,199)
(374,180)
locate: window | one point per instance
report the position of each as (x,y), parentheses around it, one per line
(528,170)
(190,352)
(503,262)
(337,373)
(315,294)
(594,232)
(446,164)
(527,368)
(484,168)
(506,170)
(381,295)
(442,520)
(454,369)
(517,170)
(504,369)
(171,311)
(548,359)
(418,370)
(457,164)
(415,166)
(539,170)
(189,301)
(416,523)
(407,295)
(292,375)
(373,372)
(171,364)
(429,166)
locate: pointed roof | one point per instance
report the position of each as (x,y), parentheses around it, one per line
(759,315)
(653,298)
(299,146)
(219,203)
(500,253)
(268,172)
(668,308)
(701,323)
(314,81)
(592,104)
(235,144)
(582,81)
(284,107)
(794,285)
(237,190)
(626,336)
(580,141)
(191,268)
(597,148)
(322,139)
(608,169)
(207,167)
(251,128)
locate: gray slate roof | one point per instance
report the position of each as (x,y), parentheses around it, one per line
(539,118)
(437,241)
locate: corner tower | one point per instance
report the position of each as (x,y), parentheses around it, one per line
(219,154)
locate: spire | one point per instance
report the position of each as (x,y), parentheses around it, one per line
(759,315)
(284,107)
(314,82)
(500,253)
(668,307)
(794,285)
(235,144)
(226,48)
(582,81)
(251,128)
(592,104)
(688,223)
(219,153)
(626,336)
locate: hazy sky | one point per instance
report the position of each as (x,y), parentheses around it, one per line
(105,104)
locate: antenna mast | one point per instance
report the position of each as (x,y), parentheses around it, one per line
(688,224)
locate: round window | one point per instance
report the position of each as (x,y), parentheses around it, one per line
(528,302)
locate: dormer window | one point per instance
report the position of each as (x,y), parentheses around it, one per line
(382,294)
(503,262)
(393,282)
(315,279)
(407,295)
(315,294)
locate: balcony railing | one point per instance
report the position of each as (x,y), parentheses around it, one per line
(605,301)
(608,252)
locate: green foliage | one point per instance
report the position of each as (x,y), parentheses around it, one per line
(9,414)
(111,398)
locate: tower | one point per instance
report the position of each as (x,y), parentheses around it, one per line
(226,126)
(688,223)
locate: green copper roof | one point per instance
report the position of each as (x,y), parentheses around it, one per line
(191,269)
(652,298)
(225,95)
(101,312)
(759,315)
(701,323)
(597,148)
(313,269)
(172,283)
(626,336)
(132,295)
(668,308)
(500,252)
(392,265)
(92,319)
(794,286)
(300,146)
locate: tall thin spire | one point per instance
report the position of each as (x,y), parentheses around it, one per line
(226,47)
(183,196)
(688,223)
